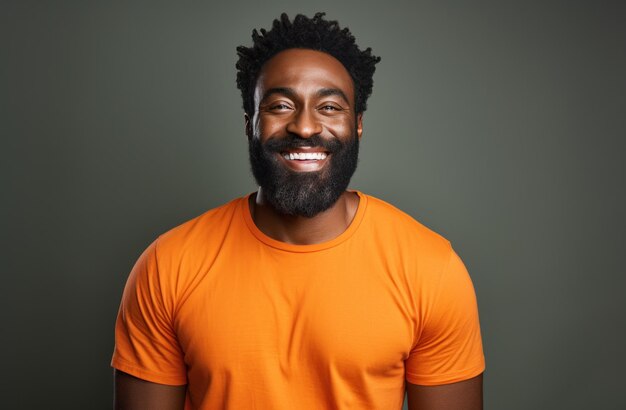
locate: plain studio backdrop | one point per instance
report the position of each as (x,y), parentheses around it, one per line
(500,125)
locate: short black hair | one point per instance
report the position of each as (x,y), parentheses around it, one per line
(308,33)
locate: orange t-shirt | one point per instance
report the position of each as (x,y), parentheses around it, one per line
(247,321)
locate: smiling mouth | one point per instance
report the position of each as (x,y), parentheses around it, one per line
(304,156)
(305,160)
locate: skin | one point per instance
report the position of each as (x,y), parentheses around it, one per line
(303,92)
(132,393)
(465,395)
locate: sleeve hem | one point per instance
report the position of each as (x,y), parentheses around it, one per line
(425,380)
(148,375)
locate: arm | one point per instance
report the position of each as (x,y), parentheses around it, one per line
(132,393)
(465,395)
(150,370)
(444,369)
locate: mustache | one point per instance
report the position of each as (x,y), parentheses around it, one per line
(291,141)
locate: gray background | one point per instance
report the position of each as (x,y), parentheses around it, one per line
(500,125)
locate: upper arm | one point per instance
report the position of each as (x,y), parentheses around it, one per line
(464,395)
(146,340)
(132,393)
(448,349)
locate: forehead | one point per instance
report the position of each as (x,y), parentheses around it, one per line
(304,71)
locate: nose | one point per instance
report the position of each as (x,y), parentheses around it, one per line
(304,124)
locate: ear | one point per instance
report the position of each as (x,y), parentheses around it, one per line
(359,125)
(248,125)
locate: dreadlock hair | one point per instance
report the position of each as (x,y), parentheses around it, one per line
(307,33)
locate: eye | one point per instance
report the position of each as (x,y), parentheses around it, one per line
(329,108)
(280,106)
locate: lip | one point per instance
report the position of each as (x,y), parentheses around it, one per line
(306,149)
(307,165)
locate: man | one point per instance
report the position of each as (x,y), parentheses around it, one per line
(303,295)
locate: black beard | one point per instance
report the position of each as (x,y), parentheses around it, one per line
(303,193)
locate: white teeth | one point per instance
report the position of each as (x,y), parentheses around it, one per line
(305,155)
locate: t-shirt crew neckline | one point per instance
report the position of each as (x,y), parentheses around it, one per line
(258,234)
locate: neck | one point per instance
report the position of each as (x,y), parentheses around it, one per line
(299,230)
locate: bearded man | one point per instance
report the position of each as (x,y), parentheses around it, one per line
(303,295)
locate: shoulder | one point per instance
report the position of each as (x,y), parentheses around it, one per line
(203,230)
(198,241)
(176,258)
(400,228)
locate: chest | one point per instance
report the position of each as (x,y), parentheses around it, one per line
(298,317)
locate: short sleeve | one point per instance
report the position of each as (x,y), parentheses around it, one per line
(145,341)
(449,348)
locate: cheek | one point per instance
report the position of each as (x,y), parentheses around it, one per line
(270,127)
(341,127)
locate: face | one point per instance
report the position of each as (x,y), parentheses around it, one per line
(304,135)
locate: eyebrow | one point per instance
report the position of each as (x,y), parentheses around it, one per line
(291,93)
